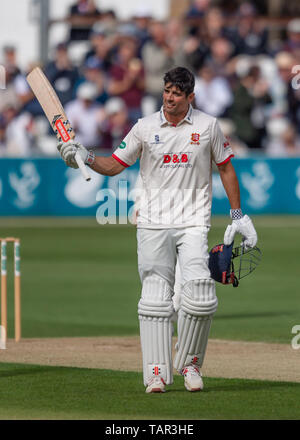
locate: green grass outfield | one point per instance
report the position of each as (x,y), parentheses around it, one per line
(81,279)
(35,392)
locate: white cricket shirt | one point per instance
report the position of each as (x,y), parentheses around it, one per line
(175,167)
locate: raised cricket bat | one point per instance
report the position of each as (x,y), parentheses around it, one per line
(54,111)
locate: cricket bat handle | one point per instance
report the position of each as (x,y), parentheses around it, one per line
(82,167)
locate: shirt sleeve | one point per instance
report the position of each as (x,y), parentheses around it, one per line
(130,148)
(221,150)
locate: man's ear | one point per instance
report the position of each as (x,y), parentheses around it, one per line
(191,97)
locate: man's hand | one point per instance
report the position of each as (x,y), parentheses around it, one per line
(245,227)
(69,149)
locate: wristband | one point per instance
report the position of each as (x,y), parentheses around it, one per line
(90,157)
(236,214)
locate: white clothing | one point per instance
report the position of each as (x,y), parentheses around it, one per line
(175,167)
(159,249)
(213,97)
(85,121)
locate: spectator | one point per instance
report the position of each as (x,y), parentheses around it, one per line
(283,138)
(158,58)
(292,44)
(18,132)
(62,74)
(10,61)
(250,97)
(141,19)
(212,93)
(79,13)
(175,39)
(194,53)
(213,25)
(198,9)
(220,53)
(127,78)
(116,125)
(86,115)
(284,62)
(9,96)
(197,47)
(92,73)
(101,47)
(249,37)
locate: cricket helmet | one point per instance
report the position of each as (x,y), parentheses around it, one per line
(221,263)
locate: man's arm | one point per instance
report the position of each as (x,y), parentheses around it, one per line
(108,166)
(241,224)
(231,184)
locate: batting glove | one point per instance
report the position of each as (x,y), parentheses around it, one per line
(243,226)
(68,150)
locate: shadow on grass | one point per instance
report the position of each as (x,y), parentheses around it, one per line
(26,371)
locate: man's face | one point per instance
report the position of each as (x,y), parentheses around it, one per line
(175,101)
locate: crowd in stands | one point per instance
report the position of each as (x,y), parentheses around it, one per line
(245,78)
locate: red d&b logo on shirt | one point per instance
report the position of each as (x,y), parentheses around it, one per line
(176,158)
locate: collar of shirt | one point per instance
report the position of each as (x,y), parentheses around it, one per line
(188,117)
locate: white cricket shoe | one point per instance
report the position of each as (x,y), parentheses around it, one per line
(192,378)
(156,385)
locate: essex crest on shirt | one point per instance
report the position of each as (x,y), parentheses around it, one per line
(195,138)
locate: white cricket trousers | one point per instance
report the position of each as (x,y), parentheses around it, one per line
(158,250)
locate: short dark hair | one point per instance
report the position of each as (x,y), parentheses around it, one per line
(181,78)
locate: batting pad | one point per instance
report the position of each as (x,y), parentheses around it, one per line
(199,302)
(155,311)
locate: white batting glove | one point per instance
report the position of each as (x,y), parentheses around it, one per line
(69,149)
(243,226)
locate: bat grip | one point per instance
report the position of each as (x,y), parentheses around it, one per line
(82,167)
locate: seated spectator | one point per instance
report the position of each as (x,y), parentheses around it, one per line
(10,62)
(214,25)
(249,37)
(116,124)
(141,20)
(86,115)
(283,140)
(175,37)
(194,52)
(197,47)
(62,74)
(292,44)
(79,12)
(221,50)
(212,93)
(157,57)
(101,47)
(8,94)
(284,62)
(9,72)
(18,132)
(127,78)
(93,73)
(198,9)
(250,97)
